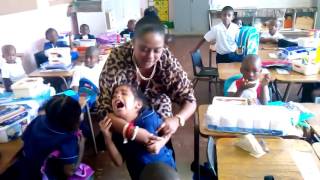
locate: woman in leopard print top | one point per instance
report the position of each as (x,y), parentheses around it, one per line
(146,63)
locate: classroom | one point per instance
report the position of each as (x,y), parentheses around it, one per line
(159,89)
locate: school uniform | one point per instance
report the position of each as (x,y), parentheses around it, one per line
(127,31)
(88,36)
(276,35)
(250,93)
(40,139)
(135,154)
(225,39)
(13,71)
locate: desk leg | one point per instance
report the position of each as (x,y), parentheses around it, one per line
(286,93)
(64,81)
(91,128)
(196,147)
(210,58)
(276,90)
(211,154)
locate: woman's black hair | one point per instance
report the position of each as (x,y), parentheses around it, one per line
(151,11)
(63,112)
(148,24)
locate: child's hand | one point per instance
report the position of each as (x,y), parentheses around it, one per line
(266,79)
(155,147)
(105,127)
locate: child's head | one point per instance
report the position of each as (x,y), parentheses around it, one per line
(84,29)
(52,35)
(131,24)
(127,101)
(273,26)
(227,15)
(92,56)
(9,53)
(251,67)
(63,112)
(237,21)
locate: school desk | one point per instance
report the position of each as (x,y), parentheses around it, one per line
(8,153)
(283,161)
(63,74)
(200,129)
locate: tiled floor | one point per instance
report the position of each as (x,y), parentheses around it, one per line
(183,139)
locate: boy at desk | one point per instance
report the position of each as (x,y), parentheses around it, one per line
(84,33)
(273,35)
(224,34)
(250,86)
(130,28)
(11,68)
(91,69)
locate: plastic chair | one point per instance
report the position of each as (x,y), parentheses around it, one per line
(200,72)
(90,91)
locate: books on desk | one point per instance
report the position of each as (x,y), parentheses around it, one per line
(13,121)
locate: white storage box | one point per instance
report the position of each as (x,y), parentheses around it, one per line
(29,88)
(306,69)
(297,52)
(59,56)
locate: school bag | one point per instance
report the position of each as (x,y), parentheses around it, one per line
(247,41)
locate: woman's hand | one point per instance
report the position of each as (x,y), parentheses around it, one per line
(105,126)
(169,126)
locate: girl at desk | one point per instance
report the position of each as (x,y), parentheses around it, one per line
(57,130)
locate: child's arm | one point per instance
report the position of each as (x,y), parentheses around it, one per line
(111,147)
(264,97)
(198,45)
(233,91)
(268,40)
(155,147)
(7,84)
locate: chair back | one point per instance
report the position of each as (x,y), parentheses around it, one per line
(88,89)
(196,62)
(228,83)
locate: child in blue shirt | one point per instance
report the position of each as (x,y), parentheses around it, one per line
(130,28)
(57,130)
(128,103)
(84,33)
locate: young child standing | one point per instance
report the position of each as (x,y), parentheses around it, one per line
(128,103)
(91,69)
(224,34)
(11,68)
(130,28)
(57,130)
(84,33)
(249,86)
(273,35)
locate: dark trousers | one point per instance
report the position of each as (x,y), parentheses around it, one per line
(228,58)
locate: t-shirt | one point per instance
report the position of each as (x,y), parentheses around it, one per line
(92,74)
(40,139)
(276,36)
(225,38)
(250,93)
(135,154)
(88,36)
(14,71)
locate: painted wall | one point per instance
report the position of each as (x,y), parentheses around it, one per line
(26,30)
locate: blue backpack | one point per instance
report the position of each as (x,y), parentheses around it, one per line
(248,41)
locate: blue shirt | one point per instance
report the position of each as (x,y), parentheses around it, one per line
(136,155)
(127,31)
(40,139)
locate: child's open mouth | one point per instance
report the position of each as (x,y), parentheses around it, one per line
(119,104)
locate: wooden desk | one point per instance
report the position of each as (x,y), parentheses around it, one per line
(8,153)
(63,74)
(235,163)
(314,122)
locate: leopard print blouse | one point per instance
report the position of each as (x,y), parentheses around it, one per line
(169,84)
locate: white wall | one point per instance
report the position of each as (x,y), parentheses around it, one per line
(95,20)
(26,30)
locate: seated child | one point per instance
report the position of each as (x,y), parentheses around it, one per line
(249,86)
(273,35)
(52,37)
(130,28)
(224,34)
(56,130)
(237,21)
(128,103)
(11,68)
(91,69)
(84,33)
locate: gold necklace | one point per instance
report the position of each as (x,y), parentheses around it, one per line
(140,74)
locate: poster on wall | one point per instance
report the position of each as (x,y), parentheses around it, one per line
(163,9)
